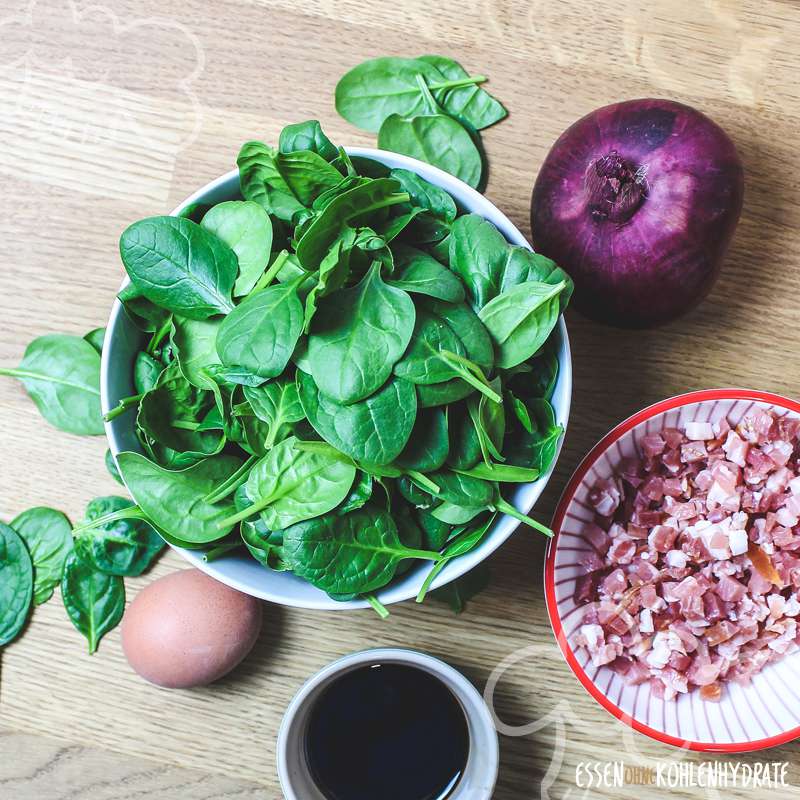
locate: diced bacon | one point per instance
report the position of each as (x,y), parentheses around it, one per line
(622,551)
(730,590)
(605,497)
(693,574)
(693,451)
(699,431)
(662,538)
(597,538)
(652,445)
(614,583)
(590,561)
(736,448)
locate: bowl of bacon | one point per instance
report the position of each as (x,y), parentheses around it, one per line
(673,579)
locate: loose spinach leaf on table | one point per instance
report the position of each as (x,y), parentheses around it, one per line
(470,104)
(61,374)
(380,87)
(94,601)
(458,592)
(357,336)
(16,584)
(47,534)
(180,266)
(124,547)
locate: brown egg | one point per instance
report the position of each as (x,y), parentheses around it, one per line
(187,629)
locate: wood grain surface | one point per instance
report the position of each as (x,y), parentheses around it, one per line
(112,112)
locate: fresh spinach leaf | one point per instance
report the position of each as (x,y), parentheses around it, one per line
(260,334)
(307,174)
(307,136)
(61,374)
(428,446)
(146,371)
(48,537)
(124,547)
(520,320)
(380,87)
(111,466)
(180,266)
(246,228)
(16,584)
(96,339)
(435,139)
(458,592)
(277,403)
(289,485)
(196,343)
(372,431)
(174,500)
(357,337)
(354,553)
(470,103)
(261,181)
(94,601)
(420,273)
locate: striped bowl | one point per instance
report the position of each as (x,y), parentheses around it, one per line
(764,714)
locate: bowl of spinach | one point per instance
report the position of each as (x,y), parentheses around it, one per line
(334,377)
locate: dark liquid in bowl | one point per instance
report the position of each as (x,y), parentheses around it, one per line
(387,732)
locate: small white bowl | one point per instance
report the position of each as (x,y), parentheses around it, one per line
(124,340)
(480,772)
(764,714)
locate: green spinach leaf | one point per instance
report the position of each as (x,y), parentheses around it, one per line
(180,266)
(48,537)
(357,337)
(61,374)
(246,228)
(16,584)
(94,601)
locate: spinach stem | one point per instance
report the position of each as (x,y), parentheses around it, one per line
(456,84)
(185,424)
(423,480)
(435,570)
(270,275)
(380,608)
(425,555)
(124,404)
(158,336)
(231,483)
(131,512)
(220,550)
(507,508)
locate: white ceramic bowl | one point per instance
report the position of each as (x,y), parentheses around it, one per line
(764,714)
(480,772)
(123,341)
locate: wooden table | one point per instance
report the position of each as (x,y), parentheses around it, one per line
(121,111)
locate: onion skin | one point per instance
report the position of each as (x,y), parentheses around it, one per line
(638,201)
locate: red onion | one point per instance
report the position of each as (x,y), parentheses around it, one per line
(638,201)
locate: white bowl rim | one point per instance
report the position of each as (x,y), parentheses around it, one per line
(503,526)
(649,412)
